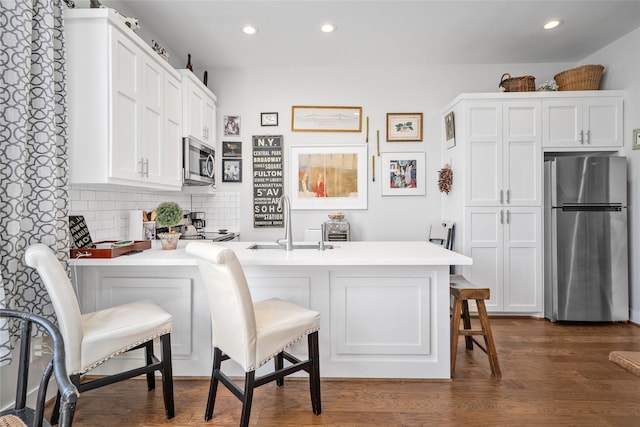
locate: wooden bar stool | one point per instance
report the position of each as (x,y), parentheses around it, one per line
(462,291)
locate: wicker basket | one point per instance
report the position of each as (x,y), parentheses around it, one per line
(586,77)
(517,84)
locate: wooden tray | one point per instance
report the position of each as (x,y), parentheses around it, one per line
(137,246)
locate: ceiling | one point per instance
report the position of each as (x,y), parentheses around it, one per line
(381,32)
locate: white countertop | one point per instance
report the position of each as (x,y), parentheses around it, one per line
(410,253)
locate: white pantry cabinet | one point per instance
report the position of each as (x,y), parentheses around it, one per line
(503,160)
(594,121)
(199,109)
(496,198)
(124,109)
(505,245)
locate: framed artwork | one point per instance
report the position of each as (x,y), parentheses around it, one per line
(231,149)
(326,119)
(268,119)
(404,127)
(231,125)
(231,170)
(450,130)
(328,177)
(403,174)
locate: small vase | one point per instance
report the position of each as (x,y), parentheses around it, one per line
(169,240)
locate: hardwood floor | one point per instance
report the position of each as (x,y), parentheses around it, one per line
(552,374)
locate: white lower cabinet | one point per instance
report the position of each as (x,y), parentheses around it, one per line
(505,244)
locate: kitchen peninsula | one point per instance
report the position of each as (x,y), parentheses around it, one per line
(384,305)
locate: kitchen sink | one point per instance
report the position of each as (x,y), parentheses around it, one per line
(315,246)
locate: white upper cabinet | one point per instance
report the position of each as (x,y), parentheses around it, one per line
(125,111)
(503,161)
(199,112)
(583,122)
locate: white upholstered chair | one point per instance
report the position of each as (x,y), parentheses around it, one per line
(91,339)
(252,334)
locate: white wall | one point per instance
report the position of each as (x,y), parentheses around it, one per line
(622,62)
(379,89)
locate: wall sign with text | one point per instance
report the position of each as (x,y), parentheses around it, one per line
(268,181)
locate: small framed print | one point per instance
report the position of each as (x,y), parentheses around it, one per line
(404,127)
(403,174)
(231,149)
(231,170)
(231,125)
(636,139)
(450,130)
(268,119)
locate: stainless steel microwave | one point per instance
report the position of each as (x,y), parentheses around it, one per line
(198,162)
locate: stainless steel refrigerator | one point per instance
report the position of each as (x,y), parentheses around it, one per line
(585,247)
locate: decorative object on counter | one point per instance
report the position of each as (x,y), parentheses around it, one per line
(404,127)
(586,77)
(231,170)
(336,215)
(445,179)
(517,84)
(189,66)
(205,78)
(231,125)
(80,236)
(548,86)
(406,174)
(111,249)
(450,130)
(70,4)
(231,149)
(169,215)
(268,119)
(326,119)
(268,181)
(160,50)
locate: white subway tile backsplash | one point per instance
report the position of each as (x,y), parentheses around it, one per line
(107,212)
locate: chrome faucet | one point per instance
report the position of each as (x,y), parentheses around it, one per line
(285,204)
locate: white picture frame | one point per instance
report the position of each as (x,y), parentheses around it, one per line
(398,168)
(328,177)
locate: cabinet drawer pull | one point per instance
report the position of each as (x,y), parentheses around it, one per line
(141,167)
(501,216)
(146,168)
(508,217)
(581,137)
(588,137)
(501,197)
(508,196)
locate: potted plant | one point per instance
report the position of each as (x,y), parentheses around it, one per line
(169,215)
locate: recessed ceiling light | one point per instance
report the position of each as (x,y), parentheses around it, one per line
(249,29)
(553,23)
(328,28)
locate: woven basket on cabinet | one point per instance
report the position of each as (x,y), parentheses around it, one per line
(586,77)
(517,84)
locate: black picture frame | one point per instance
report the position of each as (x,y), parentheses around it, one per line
(269,119)
(231,148)
(231,170)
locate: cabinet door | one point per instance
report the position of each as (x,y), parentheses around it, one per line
(483,122)
(195,124)
(603,122)
(562,123)
(152,126)
(172,171)
(209,121)
(522,259)
(522,153)
(484,244)
(126,152)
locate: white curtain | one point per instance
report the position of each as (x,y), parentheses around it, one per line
(33,149)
